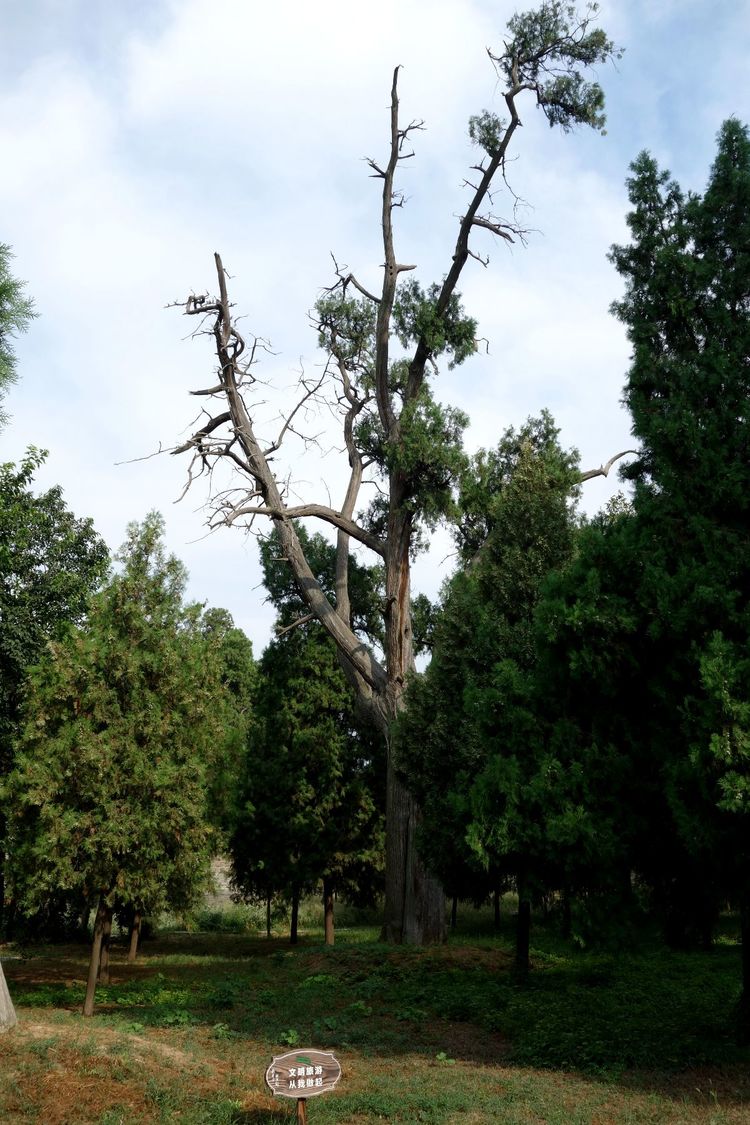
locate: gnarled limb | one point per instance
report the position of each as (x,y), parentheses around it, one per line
(603,470)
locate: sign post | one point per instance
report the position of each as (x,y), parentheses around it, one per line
(301,1075)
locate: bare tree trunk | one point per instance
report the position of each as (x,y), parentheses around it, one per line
(7,1011)
(328,909)
(96,951)
(454,913)
(104,955)
(414,899)
(135,933)
(295,917)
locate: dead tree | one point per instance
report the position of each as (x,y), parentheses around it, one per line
(382,349)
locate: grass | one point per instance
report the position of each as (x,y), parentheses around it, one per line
(436,1035)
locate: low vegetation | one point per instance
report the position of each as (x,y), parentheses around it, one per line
(435,1035)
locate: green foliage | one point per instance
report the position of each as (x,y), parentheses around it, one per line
(429,456)
(687,310)
(16,310)
(346,328)
(365,583)
(590,1037)
(486,131)
(656,607)
(306,804)
(50,564)
(237,670)
(543,52)
(472,738)
(416,319)
(426,448)
(120,724)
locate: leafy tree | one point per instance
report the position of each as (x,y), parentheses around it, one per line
(108,798)
(16,311)
(687,309)
(50,564)
(474,736)
(658,606)
(239,674)
(383,350)
(308,804)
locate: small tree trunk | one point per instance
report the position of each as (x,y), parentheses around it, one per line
(454,913)
(295,916)
(496,907)
(7,1012)
(268,915)
(104,955)
(328,908)
(135,933)
(96,951)
(83,917)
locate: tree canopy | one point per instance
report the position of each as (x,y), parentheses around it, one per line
(107,800)
(382,350)
(16,311)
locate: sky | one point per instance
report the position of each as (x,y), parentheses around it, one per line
(137,139)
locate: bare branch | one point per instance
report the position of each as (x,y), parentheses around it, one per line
(312,511)
(282,630)
(500,229)
(603,470)
(234,370)
(210,426)
(349,279)
(218,389)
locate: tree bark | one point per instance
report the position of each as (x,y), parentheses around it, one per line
(414,899)
(96,950)
(295,917)
(135,933)
(104,954)
(328,909)
(7,1012)
(454,913)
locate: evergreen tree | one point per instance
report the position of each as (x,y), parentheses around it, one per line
(657,608)
(107,800)
(687,308)
(473,737)
(50,564)
(16,310)
(307,810)
(383,349)
(239,674)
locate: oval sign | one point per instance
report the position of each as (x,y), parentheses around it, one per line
(303,1074)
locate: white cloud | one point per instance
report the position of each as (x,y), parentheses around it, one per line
(166,132)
